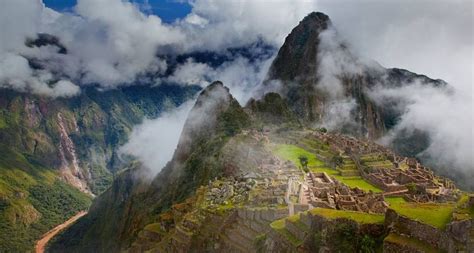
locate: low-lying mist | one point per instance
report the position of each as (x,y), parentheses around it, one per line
(153,142)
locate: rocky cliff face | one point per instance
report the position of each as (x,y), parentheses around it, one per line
(323,80)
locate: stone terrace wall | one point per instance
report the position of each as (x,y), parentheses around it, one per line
(442,239)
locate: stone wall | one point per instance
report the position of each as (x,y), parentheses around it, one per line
(315,226)
(450,239)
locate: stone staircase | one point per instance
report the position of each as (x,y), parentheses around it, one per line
(376,161)
(348,167)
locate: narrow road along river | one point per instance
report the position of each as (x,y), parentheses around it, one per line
(41,244)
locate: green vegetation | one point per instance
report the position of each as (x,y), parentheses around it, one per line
(279,226)
(296,220)
(3,124)
(434,214)
(293,153)
(357,182)
(155,228)
(32,201)
(323,130)
(367,244)
(304,162)
(233,119)
(462,210)
(410,242)
(337,160)
(360,217)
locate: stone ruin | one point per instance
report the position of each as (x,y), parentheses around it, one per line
(339,143)
(276,181)
(322,191)
(392,173)
(425,186)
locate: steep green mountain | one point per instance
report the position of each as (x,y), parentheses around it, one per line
(310,69)
(57,152)
(133,201)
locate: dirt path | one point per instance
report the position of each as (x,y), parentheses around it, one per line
(41,244)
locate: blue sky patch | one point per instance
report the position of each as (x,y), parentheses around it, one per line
(167,10)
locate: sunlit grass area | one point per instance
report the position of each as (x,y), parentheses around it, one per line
(292,153)
(435,214)
(357,182)
(360,217)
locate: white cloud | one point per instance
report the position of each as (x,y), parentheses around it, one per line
(241,76)
(114,42)
(154,141)
(20,20)
(442,114)
(237,23)
(191,73)
(434,38)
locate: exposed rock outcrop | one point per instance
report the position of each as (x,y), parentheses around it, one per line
(321,76)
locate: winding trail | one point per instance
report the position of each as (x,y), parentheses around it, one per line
(41,244)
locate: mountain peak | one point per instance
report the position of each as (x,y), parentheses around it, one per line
(316,18)
(207,118)
(297,57)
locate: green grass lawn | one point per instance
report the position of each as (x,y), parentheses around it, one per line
(292,152)
(357,182)
(360,217)
(435,214)
(349,181)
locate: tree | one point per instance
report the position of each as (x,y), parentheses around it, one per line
(337,160)
(412,189)
(304,162)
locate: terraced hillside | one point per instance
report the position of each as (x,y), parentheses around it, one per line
(236,186)
(279,207)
